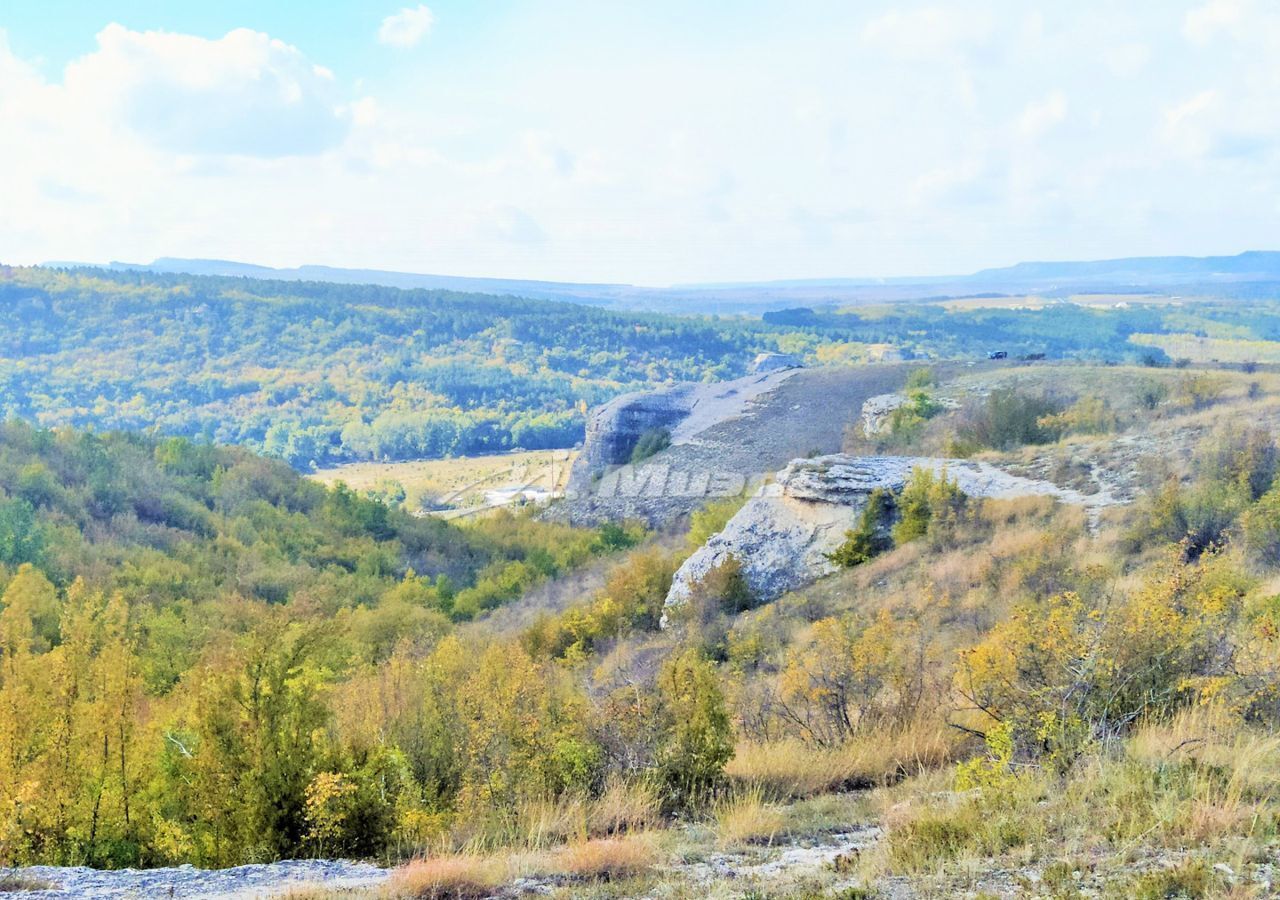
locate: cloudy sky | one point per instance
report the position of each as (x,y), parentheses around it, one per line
(653,143)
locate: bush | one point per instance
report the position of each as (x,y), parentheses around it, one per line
(655,440)
(697,739)
(851,676)
(1151,393)
(1201,390)
(920,379)
(725,587)
(930,506)
(1088,415)
(1008,418)
(1261,527)
(906,422)
(1241,457)
(1063,672)
(711,519)
(868,539)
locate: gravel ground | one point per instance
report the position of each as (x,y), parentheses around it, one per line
(187,881)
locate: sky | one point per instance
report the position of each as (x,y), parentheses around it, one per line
(657,143)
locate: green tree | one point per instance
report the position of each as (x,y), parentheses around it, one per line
(697,739)
(868,538)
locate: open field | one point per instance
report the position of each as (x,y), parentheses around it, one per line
(1036,301)
(1208,349)
(463,482)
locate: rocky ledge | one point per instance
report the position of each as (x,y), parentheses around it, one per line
(685,410)
(783,534)
(267,880)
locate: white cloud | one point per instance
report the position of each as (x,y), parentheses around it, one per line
(244,93)
(1203,22)
(1188,127)
(913,137)
(1128,59)
(407,27)
(926,32)
(1041,115)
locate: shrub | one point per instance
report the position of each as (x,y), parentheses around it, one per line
(1198,518)
(906,422)
(653,441)
(851,676)
(868,538)
(697,737)
(1088,415)
(929,505)
(1150,392)
(920,379)
(711,519)
(1201,390)
(725,587)
(1009,418)
(1062,672)
(1241,457)
(1261,527)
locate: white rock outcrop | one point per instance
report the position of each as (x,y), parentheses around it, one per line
(774,362)
(782,536)
(685,410)
(877,410)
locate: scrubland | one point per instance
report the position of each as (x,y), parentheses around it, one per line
(990,698)
(1004,698)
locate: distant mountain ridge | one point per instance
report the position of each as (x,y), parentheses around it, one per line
(1198,274)
(1254,265)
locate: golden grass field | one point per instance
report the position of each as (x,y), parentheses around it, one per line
(1208,349)
(460,482)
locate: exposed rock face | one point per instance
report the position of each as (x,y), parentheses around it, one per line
(782,536)
(773,362)
(685,410)
(613,429)
(877,410)
(263,880)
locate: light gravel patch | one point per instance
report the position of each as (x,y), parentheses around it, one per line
(239,883)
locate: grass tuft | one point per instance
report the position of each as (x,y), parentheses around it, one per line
(745,817)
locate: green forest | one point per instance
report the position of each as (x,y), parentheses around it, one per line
(174,622)
(320,373)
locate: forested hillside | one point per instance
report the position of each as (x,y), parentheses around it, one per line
(312,372)
(173,620)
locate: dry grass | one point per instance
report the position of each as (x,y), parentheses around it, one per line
(320,892)
(461,481)
(792,769)
(470,876)
(13,882)
(744,817)
(624,807)
(457,877)
(607,860)
(1199,782)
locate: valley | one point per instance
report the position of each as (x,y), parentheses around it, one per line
(843,630)
(604,451)
(459,485)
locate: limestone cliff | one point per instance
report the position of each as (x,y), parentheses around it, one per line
(782,535)
(685,410)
